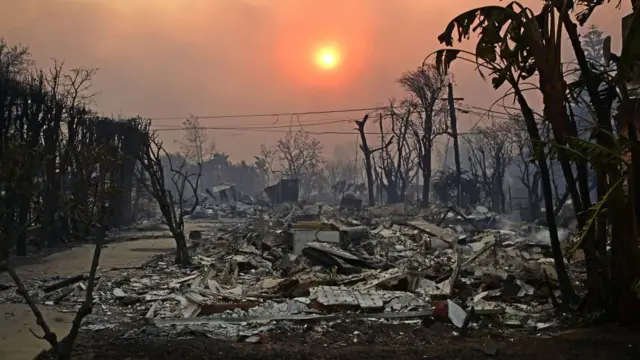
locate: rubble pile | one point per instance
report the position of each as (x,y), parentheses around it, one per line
(318,263)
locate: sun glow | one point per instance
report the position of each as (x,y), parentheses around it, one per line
(328,58)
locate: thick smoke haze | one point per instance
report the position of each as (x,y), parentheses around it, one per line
(172,58)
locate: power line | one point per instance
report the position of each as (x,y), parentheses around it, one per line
(320,112)
(354,132)
(273,127)
(252,127)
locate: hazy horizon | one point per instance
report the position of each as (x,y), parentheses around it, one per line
(169,59)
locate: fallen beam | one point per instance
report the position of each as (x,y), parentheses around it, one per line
(63,283)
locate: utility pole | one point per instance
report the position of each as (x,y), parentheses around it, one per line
(356,178)
(456,148)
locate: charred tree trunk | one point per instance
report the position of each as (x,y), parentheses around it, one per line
(554,109)
(533,196)
(426,176)
(152,168)
(367,153)
(391,186)
(568,294)
(132,147)
(182,254)
(494,194)
(426,187)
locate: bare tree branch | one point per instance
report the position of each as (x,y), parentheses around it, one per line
(172,206)
(492,149)
(300,157)
(426,86)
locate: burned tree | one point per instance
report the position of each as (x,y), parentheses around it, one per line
(528,171)
(16,83)
(490,152)
(172,206)
(397,161)
(336,171)
(532,46)
(94,214)
(447,186)
(48,111)
(300,157)
(196,145)
(131,135)
(426,86)
(368,152)
(57,163)
(69,92)
(264,163)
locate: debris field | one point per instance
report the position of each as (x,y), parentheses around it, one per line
(258,270)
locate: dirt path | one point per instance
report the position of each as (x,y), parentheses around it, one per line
(16,320)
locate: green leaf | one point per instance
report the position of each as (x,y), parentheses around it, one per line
(584,150)
(597,210)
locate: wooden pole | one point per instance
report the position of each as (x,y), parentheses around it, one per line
(456,148)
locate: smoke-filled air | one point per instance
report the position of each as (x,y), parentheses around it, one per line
(319,179)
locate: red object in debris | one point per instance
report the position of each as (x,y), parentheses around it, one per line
(317,306)
(440,311)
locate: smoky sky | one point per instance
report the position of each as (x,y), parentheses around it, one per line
(172,58)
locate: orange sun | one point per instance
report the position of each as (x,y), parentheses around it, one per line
(327,58)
